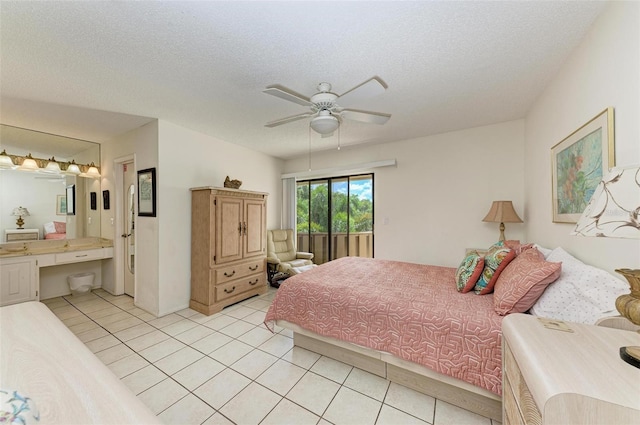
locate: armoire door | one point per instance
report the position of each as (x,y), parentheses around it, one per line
(229,229)
(254,227)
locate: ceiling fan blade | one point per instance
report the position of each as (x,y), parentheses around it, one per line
(287,94)
(370,88)
(365,116)
(288,119)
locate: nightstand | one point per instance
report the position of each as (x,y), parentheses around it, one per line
(550,376)
(19,235)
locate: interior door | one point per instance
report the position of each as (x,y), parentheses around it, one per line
(129,211)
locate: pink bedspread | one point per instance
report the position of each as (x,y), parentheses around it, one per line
(412,311)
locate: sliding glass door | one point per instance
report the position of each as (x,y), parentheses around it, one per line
(335,217)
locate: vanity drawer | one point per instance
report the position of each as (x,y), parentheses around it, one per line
(78,256)
(228,273)
(239,286)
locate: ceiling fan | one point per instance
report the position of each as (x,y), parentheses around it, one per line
(324,109)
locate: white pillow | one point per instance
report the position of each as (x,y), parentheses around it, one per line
(543,250)
(49,228)
(581,294)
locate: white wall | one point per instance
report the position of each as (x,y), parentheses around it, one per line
(430,207)
(191,159)
(141,142)
(603,71)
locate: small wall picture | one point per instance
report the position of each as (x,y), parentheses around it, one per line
(61,205)
(105,200)
(94,200)
(147,192)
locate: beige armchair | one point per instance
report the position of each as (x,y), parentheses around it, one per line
(282,255)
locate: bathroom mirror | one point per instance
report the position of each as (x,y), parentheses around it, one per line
(42,193)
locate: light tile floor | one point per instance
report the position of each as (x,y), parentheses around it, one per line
(189,368)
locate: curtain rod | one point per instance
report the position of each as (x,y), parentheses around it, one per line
(327,172)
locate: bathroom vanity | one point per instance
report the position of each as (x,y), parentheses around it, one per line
(30,271)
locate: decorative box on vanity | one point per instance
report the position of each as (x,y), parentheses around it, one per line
(228,247)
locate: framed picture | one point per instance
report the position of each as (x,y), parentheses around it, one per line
(105,200)
(147,192)
(94,200)
(71,199)
(578,164)
(61,205)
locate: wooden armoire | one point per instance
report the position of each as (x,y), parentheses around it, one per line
(228,247)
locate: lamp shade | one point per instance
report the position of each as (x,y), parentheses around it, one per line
(73,168)
(325,123)
(502,212)
(29,164)
(614,208)
(92,171)
(52,167)
(20,212)
(6,163)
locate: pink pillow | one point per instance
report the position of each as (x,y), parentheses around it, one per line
(61,226)
(518,247)
(495,260)
(469,272)
(521,284)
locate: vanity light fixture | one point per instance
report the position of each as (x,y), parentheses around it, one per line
(73,168)
(6,163)
(52,167)
(29,164)
(92,171)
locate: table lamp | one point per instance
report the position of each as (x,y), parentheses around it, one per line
(20,212)
(502,212)
(614,212)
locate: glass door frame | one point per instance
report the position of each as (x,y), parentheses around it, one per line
(328,181)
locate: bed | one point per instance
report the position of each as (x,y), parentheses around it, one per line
(411,323)
(46,372)
(405,322)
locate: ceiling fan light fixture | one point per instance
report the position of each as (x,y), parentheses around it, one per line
(325,124)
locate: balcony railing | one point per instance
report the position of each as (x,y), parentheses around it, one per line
(342,245)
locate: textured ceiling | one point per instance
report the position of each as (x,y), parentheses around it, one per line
(203,65)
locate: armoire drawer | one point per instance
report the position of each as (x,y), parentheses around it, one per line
(222,275)
(239,286)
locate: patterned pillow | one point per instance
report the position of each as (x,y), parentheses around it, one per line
(518,247)
(582,293)
(495,260)
(61,226)
(520,284)
(469,272)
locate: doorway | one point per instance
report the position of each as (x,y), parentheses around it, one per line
(129,226)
